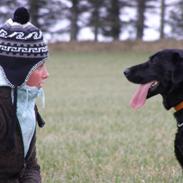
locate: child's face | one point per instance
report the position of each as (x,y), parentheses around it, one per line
(38,77)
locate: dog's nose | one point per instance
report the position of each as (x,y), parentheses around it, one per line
(126,72)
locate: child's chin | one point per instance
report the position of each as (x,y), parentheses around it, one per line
(40,85)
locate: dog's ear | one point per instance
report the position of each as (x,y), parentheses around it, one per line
(177,66)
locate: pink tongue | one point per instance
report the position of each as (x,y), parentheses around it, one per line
(139,97)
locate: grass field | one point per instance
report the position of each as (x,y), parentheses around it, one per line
(92,135)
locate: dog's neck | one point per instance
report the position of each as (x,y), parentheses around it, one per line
(174,98)
(177,104)
(179,118)
(179,114)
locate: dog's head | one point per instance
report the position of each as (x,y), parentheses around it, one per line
(161,74)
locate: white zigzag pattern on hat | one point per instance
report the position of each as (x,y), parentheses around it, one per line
(23,50)
(21,35)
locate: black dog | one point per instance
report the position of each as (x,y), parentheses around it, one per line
(162,74)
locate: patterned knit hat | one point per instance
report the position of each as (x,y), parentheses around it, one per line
(22,48)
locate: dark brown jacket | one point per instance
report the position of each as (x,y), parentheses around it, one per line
(14,168)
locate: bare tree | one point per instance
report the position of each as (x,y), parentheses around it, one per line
(115,19)
(73,14)
(7,9)
(45,14)
(34,8)
(95,20)
(142,7)
(113,24)
(176,19)
(140,23)
(74,20)
(162,19)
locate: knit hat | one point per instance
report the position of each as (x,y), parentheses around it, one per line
(22,48)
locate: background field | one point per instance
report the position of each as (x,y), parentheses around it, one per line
(91,134)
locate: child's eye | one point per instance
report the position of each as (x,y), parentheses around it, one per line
(40,67)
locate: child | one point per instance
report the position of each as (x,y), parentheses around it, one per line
(22,74)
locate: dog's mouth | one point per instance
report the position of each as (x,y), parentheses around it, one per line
(154,84)
(153,89)
(143,92)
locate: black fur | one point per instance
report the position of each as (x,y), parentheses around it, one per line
(166,67)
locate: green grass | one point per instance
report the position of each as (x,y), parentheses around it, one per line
(92,135)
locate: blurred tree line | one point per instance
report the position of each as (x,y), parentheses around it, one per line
(109,18)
